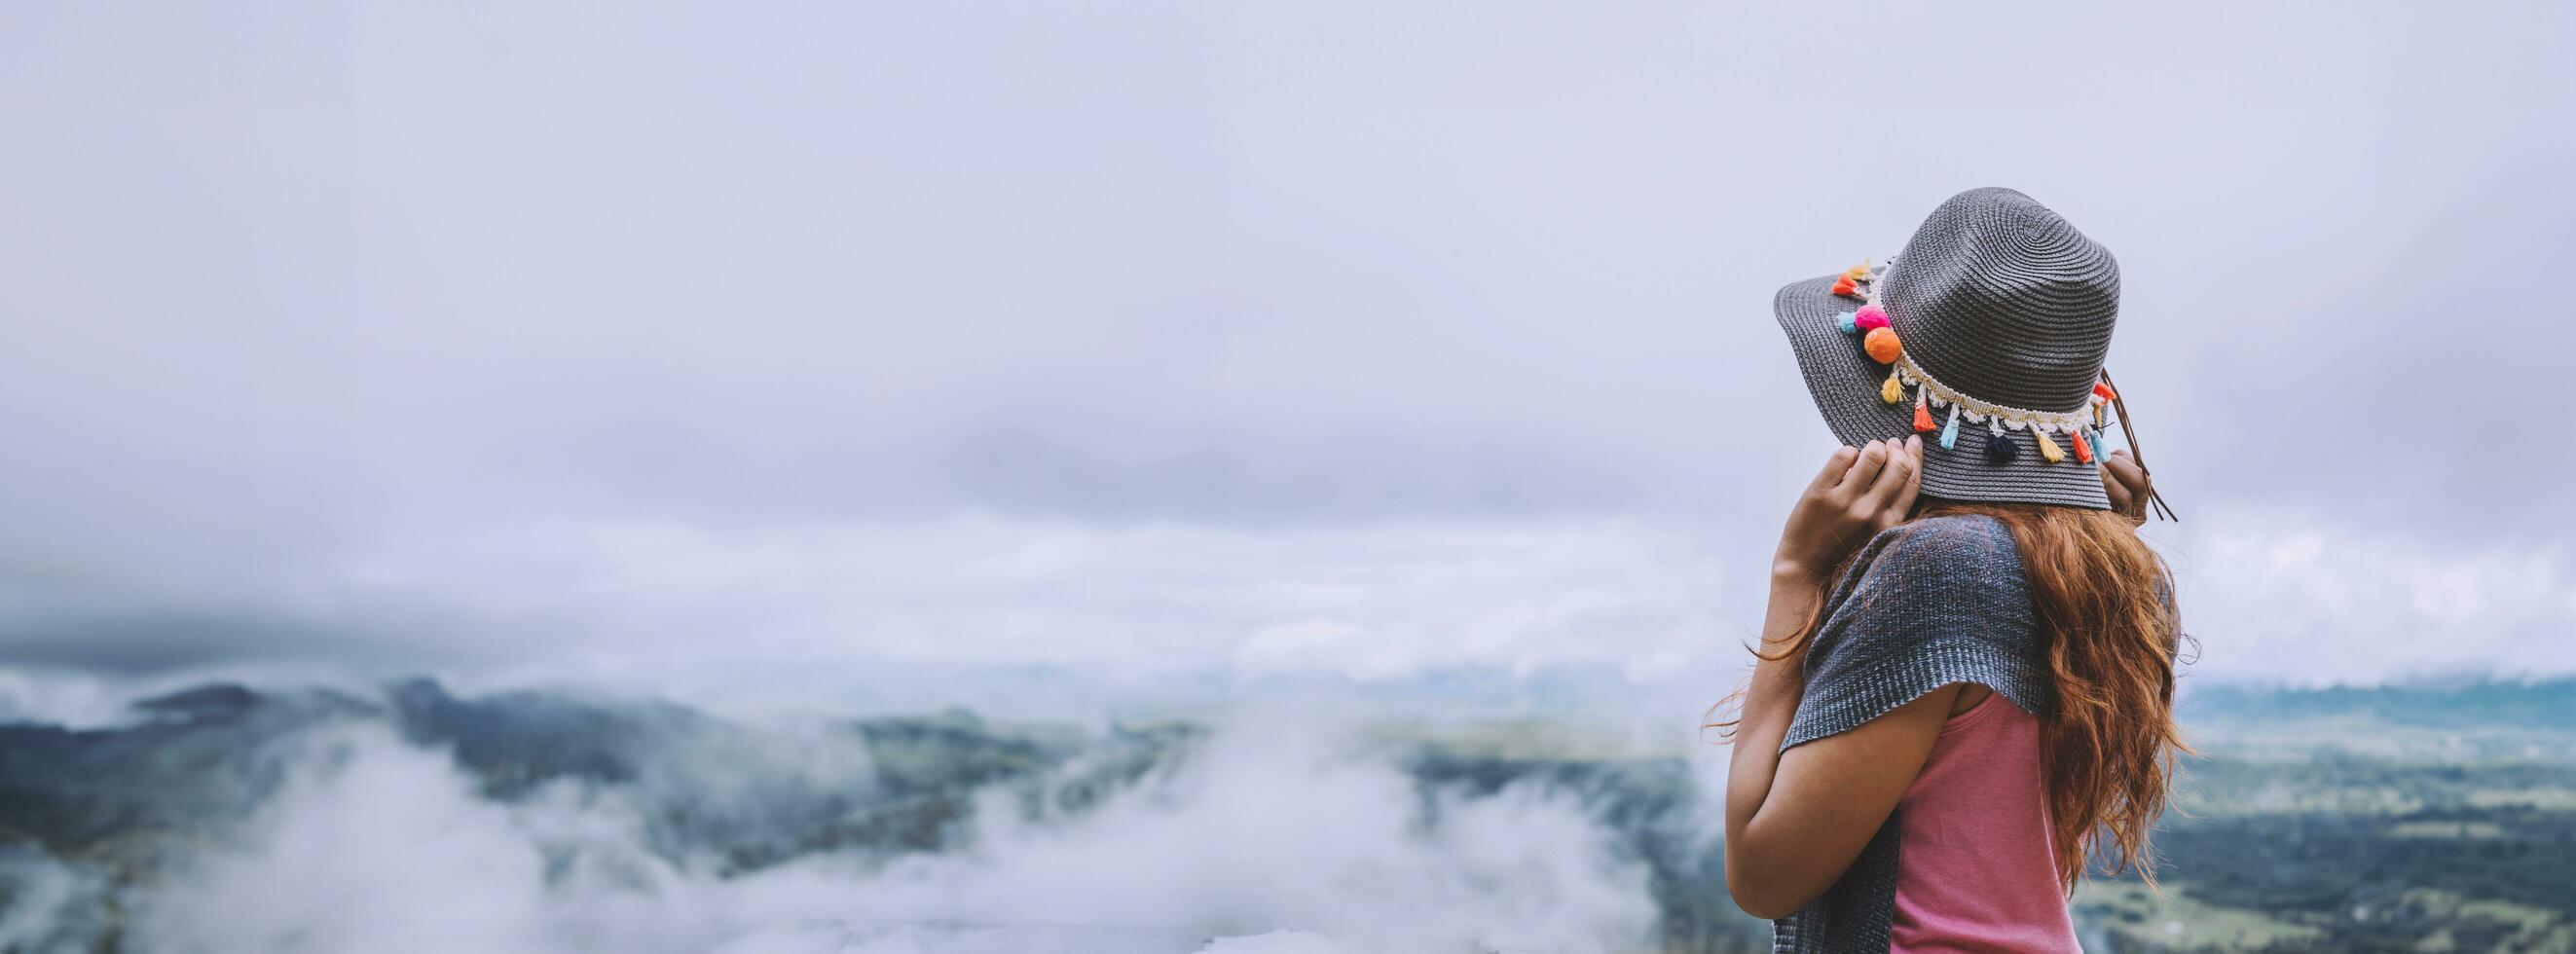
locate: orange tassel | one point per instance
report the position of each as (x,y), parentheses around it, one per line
(1922,415)
(1844,286)
(2103,391)
(2083,451)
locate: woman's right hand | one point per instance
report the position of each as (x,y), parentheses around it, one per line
(1858,493)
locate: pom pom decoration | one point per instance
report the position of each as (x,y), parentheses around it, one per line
(2048,448)
(1950,431)
(1882,345)
(1844,323)
(2000,448)
(1844,286)
(1858,272)
(1893,391)
(2083,448)
(1922,411)
(1870,316)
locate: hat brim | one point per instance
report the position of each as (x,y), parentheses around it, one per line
(1846,384)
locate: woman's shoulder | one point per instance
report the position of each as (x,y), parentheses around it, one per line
(1942,548)
(1956,535)
(1928,602)
(1935,579)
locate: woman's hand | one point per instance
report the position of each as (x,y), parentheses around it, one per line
(2128,485)
(1859,493)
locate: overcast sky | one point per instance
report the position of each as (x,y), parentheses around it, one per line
(1354,337)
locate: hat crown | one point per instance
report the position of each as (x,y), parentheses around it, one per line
(2003,300)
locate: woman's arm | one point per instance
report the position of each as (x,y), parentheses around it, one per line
(1795,821)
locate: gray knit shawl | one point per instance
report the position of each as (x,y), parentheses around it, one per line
(1926,604)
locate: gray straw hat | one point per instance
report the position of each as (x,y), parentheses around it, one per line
(1996,317)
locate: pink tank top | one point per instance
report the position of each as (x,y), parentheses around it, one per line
(1975,868)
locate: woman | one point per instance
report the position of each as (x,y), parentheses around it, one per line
(1966,676)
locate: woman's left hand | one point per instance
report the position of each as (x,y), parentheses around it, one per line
(2128,485)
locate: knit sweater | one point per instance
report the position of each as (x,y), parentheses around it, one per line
(1926,604)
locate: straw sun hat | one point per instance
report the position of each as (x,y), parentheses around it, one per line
(1985,335)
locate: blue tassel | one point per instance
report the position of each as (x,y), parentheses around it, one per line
(1950,431)
(2000,448)
(1847,321)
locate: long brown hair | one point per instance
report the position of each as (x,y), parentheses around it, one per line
(2112,640)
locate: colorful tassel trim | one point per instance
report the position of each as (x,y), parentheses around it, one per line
(2052,431)
(1859,281)
(1846,323)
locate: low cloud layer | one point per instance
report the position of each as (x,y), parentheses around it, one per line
(1273,826)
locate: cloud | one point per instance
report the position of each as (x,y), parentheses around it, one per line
(69,699)
(646,601)
(374,844)
(1019,614)
(131,642)
(2279,598)
(303,302)
(48,905)
(1268,481)
(1280,942)
(1270,827)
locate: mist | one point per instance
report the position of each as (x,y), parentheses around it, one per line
(1269,824)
